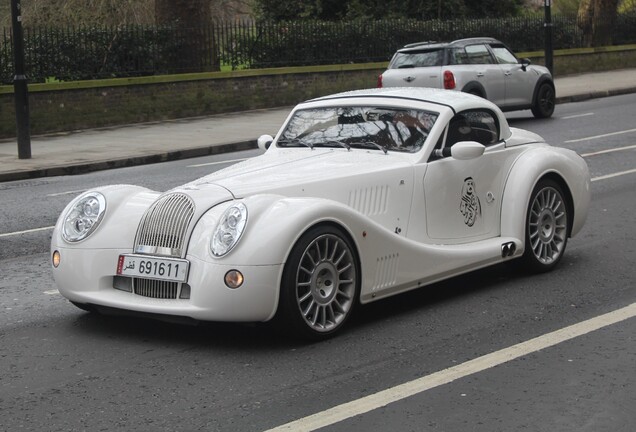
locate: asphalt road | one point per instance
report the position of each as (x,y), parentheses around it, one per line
(62,369)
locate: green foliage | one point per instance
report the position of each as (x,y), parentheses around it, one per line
(92,52)
(566,6)
(332,10)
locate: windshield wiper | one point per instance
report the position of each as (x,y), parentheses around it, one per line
(340,143)
(367,144)
(295,142)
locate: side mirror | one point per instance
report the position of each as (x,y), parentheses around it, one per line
(264,141)
(465,150)
(525,62)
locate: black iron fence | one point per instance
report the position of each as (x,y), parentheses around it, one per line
(84,53)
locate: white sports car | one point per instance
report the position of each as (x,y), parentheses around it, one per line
(360,196)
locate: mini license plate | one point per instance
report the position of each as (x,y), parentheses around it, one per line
(141,266)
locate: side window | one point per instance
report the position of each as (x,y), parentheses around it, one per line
(503,55)
(458,56)
(478,54)
(474,125)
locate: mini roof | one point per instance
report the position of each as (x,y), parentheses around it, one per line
(460,43)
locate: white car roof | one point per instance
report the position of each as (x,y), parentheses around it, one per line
(455,100)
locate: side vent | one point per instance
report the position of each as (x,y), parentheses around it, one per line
(370,201)
(386,272)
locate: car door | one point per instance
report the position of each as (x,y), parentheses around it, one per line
(519,82)
(481,69)
(463,197)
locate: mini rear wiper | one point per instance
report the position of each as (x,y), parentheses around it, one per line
(406,66)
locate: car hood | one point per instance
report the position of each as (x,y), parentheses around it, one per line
(306,172)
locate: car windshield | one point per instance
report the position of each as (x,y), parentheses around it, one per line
(420,58)
(382,129)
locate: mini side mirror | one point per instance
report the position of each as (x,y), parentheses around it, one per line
(264,141)
(465,150)
(525,62)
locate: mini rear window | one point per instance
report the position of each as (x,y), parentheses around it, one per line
(413,59)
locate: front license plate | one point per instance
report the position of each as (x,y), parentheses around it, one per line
(167,269)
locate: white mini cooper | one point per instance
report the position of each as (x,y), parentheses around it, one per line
(482,66)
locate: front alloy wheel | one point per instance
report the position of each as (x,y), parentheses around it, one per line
(320,283)
(546,227)
(544,104)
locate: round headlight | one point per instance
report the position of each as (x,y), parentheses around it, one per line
(83,216)
(229,229)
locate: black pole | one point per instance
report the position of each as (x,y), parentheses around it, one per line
(548,37)
(20,90)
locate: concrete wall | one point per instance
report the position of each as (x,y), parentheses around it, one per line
(61,107)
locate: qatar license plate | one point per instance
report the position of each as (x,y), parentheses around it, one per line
(167,269)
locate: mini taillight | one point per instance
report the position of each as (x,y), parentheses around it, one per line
(449,80)
(380,81)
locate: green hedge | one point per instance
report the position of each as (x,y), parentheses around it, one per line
(85,53)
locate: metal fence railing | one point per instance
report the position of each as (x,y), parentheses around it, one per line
(80,53)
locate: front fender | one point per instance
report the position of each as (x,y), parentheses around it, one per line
(274,224)
(528,169)
(125,205)
(545,78)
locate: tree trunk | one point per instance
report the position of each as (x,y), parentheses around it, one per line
(193,48)
(585,17)
(596,19)
(604,18)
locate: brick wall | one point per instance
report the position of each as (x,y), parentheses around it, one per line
(66,109)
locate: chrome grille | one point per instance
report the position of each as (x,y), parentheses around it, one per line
(163,228)
(155,288)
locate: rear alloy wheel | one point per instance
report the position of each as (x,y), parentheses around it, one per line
(546,227)
(320,283)
(544,104)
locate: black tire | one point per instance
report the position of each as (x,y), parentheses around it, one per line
(543,106)
(320,284)
(547,227)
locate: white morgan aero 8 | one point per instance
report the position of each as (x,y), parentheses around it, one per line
(360,195)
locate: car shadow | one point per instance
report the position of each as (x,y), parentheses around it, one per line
(479,282)
(271,336)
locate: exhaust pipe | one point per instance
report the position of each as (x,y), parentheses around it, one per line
(508,249)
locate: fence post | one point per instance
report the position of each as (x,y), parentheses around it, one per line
(20,90)
(548,36)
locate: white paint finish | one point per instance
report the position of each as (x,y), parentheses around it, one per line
(590,138)
(611,150)
(577,116)
(618,174)
(26,231)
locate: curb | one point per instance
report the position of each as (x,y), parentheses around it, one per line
(84,168)
(594,95)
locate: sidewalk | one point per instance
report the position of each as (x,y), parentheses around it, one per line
(97,149)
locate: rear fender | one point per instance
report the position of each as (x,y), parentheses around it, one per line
(475,88)
(565,167)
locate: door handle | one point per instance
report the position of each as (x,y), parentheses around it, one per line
(480,74)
